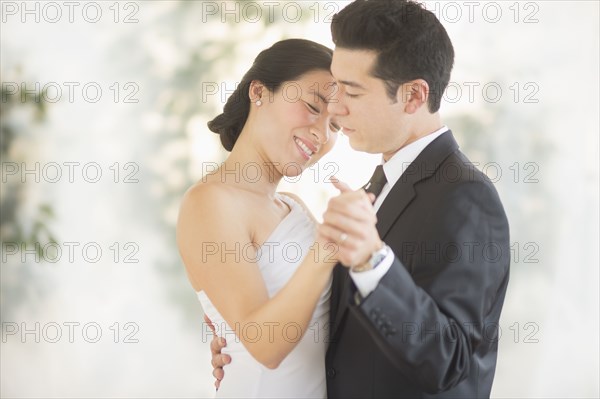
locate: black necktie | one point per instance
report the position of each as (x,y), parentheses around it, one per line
(378,180)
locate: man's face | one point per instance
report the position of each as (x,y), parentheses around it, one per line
(373,122)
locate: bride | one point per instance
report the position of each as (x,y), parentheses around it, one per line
(260,270)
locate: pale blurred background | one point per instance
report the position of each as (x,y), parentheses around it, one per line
(523,102)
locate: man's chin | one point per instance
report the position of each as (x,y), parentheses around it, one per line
(356,145)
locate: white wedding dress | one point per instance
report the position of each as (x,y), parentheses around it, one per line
(302,373)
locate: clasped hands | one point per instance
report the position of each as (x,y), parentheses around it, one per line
(349,223)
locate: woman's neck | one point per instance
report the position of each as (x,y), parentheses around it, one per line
(247,168)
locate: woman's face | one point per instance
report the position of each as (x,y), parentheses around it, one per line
(295,127)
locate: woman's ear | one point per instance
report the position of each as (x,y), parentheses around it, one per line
(413,95)
(255,93)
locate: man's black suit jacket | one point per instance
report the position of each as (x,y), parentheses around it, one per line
(430,327)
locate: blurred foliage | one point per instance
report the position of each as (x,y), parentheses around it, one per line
(37,231)
(20,233)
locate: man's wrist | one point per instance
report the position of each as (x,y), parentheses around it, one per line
(373,261)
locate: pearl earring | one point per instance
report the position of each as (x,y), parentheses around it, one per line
(258,103)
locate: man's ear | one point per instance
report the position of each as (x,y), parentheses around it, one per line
(413,95)
(256,91)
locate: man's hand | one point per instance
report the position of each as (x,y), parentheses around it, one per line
(218,359)
(349,221)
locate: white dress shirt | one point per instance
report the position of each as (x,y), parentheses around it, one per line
(394,168)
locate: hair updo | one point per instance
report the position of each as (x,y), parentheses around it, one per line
(285,61)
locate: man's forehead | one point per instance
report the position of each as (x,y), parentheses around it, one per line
(352,65)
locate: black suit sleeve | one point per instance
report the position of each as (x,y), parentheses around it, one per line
(434,307)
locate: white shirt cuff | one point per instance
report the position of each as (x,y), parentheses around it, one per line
(367,281)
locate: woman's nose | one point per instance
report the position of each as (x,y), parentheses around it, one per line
(321,132)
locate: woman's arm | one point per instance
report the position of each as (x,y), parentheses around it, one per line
(214,247)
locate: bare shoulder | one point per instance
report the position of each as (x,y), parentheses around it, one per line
(211,198)
(299,201)
(209,210)
(209,213)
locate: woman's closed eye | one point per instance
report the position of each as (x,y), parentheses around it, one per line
(313,109)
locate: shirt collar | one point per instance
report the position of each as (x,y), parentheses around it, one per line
(397,164)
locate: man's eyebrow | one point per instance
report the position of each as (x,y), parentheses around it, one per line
(351,84)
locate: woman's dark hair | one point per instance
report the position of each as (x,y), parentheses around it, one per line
(285,61)
(409,40)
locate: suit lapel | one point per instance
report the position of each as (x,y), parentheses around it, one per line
(397,200)
(403,192)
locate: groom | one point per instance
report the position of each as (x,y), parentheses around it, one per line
(416,299)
